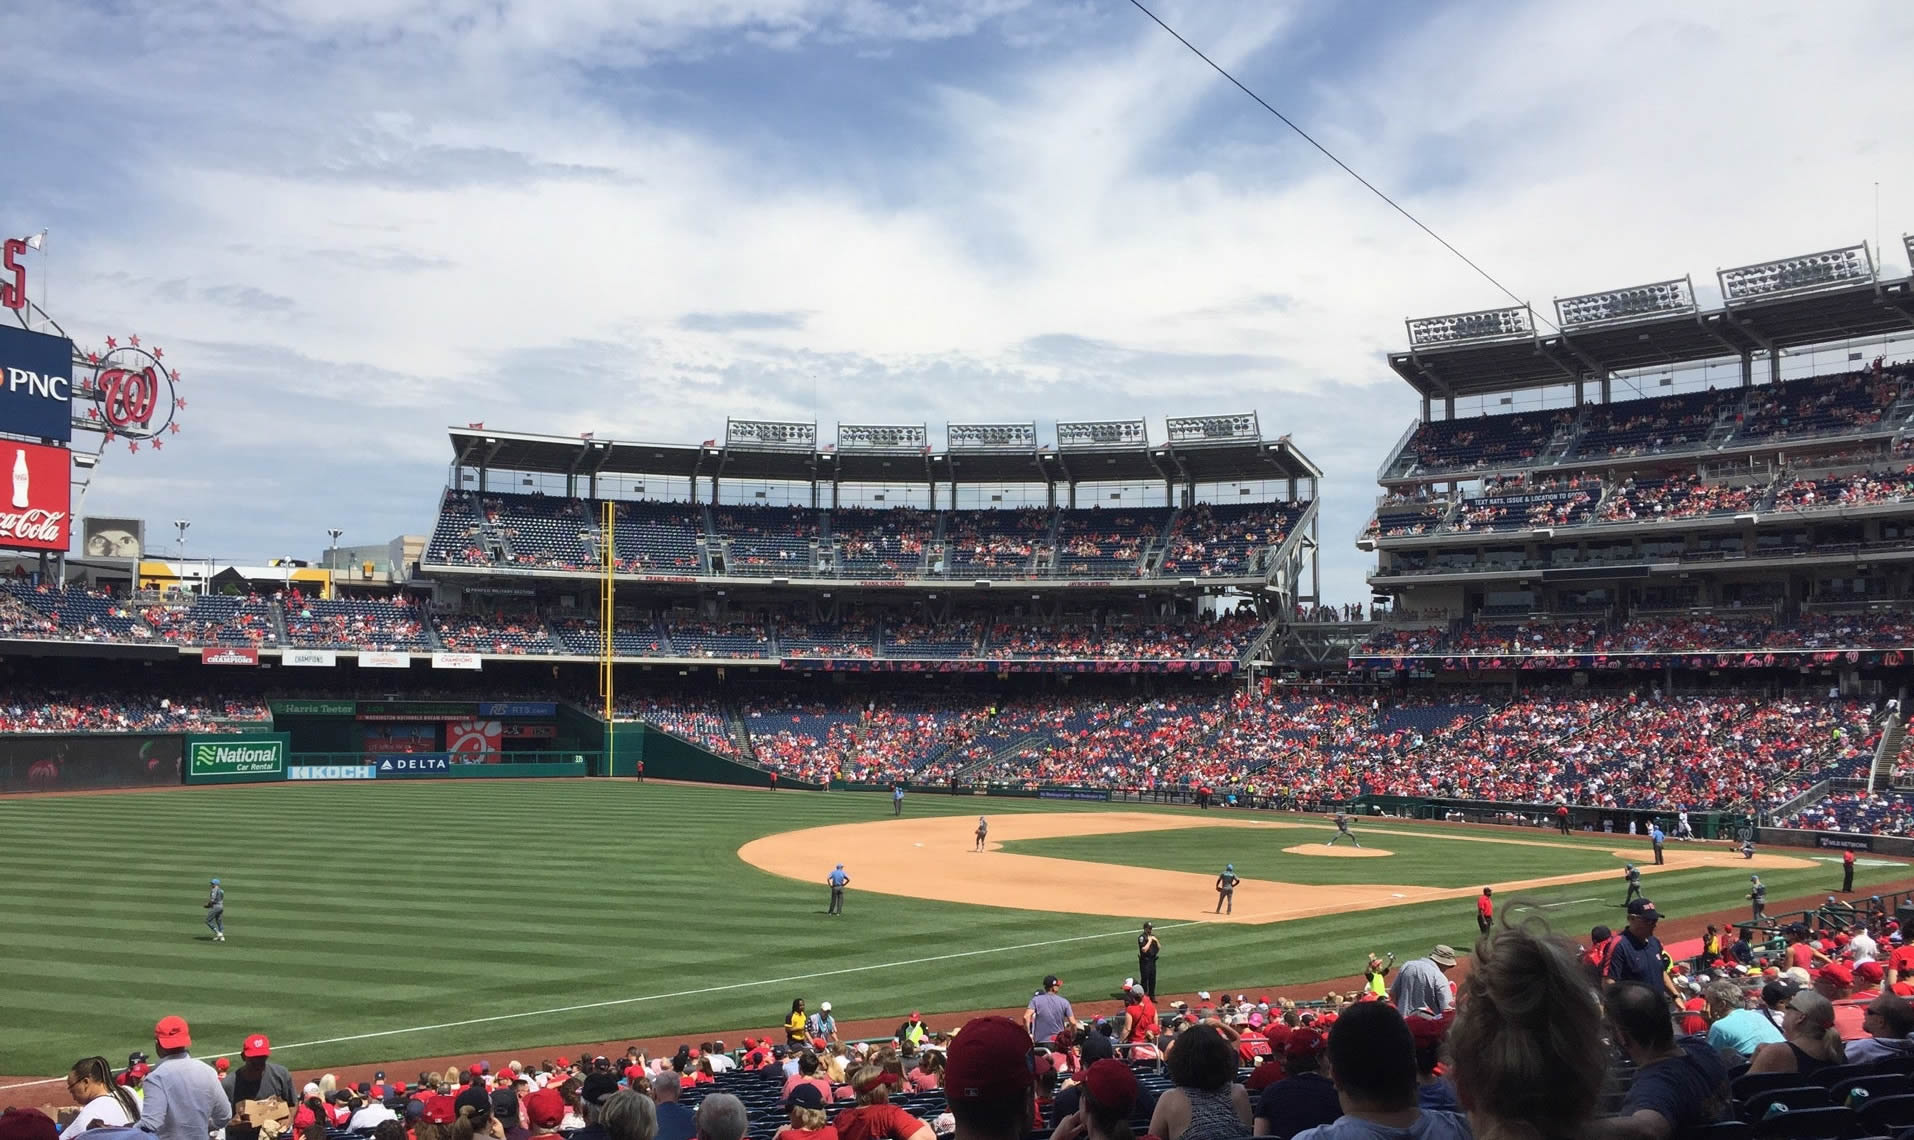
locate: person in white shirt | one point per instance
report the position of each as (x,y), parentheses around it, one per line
(102,1102)
(721,1061)
(1863,946)
(370,1117)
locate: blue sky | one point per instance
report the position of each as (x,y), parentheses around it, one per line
(353,222)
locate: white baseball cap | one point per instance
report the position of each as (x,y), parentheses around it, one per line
(1203,995)
(825,1008)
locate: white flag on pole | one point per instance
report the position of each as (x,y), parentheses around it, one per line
(37,240)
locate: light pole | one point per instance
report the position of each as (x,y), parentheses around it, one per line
(181,525)
(332,555)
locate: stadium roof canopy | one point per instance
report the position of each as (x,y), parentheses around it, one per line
(1526,360)
(1203,449)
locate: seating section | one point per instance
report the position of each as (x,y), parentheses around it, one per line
(496,633)
(653,538)
(543,533)
(1485,442)
(1405,518)
(1821,405)
(1879,813)
(1859,490)
(854,637)
(993,544)
(1654,425)
(881,544)
(1524,512)
(921,639)
(354,624)
(768,541)
(629,638)
(214,619)
(1724,631)
(458,537)
(1099,543)
(721,639)
(1226,540)
(79,615)
(701,720)
(40,709)
(1682,497)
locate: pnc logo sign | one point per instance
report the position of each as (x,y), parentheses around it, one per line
(36,384)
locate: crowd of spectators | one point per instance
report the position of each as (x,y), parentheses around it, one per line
(1722,631)
(1863,813)
(701,720)
(1676,497)
(375,625)
(31,709)
(501,633)
(1846,491)
(1221,542)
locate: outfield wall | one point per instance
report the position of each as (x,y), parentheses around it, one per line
(1834,841)
(89,761)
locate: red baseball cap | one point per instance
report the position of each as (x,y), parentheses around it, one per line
(1836,972)
(172,1033)
(1304,1042)
(27,1124)
(256,1046)
(1112,1085)
(545,1108)
(222,1063)
(989,1057)
(398,1086)
(475,1071)
(563,1063)
(1427,1030)
(1869,972)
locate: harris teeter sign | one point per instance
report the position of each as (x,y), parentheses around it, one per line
(246,758)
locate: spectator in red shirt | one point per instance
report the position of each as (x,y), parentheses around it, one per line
(1485,910)
(807,1074)
(875,1116)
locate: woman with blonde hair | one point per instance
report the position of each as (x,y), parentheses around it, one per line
(1526,1027)
(1809,1043)
(875,1116)
(809,1120)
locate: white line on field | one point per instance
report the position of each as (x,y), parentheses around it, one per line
(683,993)
(1570,902)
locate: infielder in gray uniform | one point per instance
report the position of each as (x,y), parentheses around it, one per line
(216,911)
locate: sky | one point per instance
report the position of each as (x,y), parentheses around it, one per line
(352,223)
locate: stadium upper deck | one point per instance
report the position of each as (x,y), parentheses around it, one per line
(1214,506)
(1780,496)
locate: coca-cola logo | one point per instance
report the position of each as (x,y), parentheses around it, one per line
(34,526)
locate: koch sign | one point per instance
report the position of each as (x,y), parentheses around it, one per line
(36,384)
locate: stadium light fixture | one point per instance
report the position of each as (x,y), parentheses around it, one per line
(332,552)
(1079,435)
(1807,273)
(1234,428)
(1482,324)
(770,435)
(882,437)
(990,437)
(1656,298)
(1907,240)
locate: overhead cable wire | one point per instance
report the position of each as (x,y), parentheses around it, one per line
(1330,155)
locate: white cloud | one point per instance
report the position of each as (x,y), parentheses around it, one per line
(381,218)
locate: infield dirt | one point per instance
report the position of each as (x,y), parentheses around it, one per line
(932,858)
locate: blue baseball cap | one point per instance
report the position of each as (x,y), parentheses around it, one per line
(215,882)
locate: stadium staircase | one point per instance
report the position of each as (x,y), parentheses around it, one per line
(1727,423)
(1255,647)
(1888,751)
(747,749)
(1157,548)
(716,555)
(1564,440)
(277,611)
(1016,744)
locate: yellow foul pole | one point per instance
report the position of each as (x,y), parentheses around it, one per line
(606,623)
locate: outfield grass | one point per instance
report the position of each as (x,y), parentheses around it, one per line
(366,920)
(1450,860)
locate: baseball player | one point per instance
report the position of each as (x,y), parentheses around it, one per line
(983,829)
(897,798)
(1342,831)
(1226,889)
(1747,843)
(1634,876)
(216,911)
(1758,897)
(838,880)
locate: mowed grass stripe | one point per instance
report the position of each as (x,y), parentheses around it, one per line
(373,907)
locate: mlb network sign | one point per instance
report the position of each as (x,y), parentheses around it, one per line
(236,759)
(36,384)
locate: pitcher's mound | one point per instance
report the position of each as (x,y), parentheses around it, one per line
(1337,852)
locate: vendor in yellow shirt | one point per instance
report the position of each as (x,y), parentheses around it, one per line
(794,1025)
